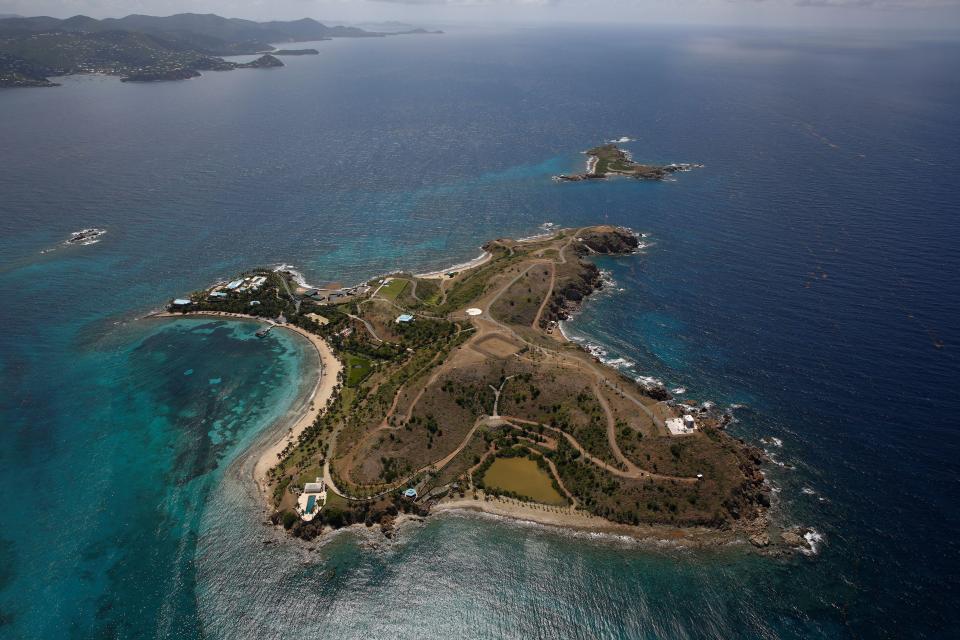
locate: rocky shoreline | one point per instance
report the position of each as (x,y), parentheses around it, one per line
(754,494)
(387,520)
(569,296)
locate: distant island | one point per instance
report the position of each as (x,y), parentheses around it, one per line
(142,48)
(458,390)
(394,27)
(610,160)
(295,52)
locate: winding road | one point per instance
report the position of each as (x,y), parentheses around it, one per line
(487,325)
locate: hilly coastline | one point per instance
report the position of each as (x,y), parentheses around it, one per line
(149,48)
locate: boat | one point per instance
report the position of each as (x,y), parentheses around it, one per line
(263,332)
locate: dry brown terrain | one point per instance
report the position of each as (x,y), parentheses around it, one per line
(448,392)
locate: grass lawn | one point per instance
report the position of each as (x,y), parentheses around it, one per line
(428,290)
(393,289)
(523,476)
(310,475)
(357,368)
(333,500)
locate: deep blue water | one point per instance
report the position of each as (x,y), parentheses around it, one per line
(808,272)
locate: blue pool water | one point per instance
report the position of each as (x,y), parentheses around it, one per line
(807,273)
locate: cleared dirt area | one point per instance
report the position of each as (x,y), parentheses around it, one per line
(521,301)
(497,346)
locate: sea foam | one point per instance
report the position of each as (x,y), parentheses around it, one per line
(814,540)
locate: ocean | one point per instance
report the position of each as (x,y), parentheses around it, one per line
(805,279)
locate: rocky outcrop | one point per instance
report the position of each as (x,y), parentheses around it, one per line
(579,177)
(806,540)
(85,236)
(749,503)
(757,531)
(584,278)
(382,512)
(568,294)
(656,391)
(607,241)
(265,61)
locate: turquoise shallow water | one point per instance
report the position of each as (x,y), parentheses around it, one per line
(807,272)
(116,482)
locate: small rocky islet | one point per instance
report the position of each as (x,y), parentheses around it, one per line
(85,236)
(610,160)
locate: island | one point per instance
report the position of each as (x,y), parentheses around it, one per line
(610,160)
(85,236)
(295,52)
(141,48)
(458,390)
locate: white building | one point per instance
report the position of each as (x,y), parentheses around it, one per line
(679,427)
(313,498)
(314,487)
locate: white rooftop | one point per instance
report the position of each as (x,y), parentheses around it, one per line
(677,427)
(313,487)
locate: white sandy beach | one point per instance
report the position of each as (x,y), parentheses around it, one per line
(483,258)
(565,518)
(330,368)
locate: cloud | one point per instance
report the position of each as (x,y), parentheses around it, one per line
(475,3)
(879,4)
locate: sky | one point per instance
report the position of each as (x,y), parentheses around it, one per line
(939,14)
